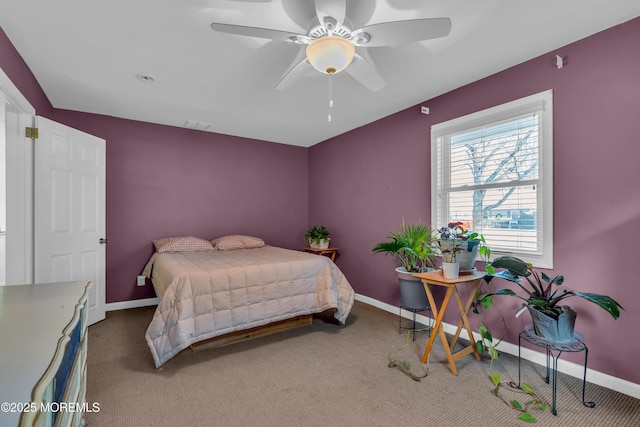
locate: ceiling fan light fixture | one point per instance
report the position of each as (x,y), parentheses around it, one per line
(330,54)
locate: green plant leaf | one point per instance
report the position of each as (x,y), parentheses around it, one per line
(607,303)
(486,334)
(480,346)
(527,388)
(406,365)
(486,301)
(506,292)
(495,378)
(527,417)
(516,266)
(493,353)
(517,405)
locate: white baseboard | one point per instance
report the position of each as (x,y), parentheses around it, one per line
(112,306)
(569,368)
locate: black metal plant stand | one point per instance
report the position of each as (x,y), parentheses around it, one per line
(575,346)
(413,324)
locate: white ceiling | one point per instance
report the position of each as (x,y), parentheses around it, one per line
(86,56)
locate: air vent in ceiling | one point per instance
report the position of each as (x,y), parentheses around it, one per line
(192,124)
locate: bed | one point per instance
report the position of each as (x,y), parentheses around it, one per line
(214,293)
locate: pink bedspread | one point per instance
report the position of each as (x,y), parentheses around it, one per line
(207,294)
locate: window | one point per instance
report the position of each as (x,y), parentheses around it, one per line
(492,170)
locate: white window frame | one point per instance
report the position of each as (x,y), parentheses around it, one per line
(543,102)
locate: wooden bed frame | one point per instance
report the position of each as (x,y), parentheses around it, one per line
(249,334)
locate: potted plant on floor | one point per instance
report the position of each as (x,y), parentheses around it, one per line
(318,237)
(550,320)
(413,247)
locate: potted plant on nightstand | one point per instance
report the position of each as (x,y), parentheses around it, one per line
(318,237)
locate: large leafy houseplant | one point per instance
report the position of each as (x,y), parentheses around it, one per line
(539,292)
(413,246)
(539,295)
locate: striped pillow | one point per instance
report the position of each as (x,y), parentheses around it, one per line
(182,244)
(237,241)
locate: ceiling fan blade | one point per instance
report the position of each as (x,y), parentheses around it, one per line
(413,30)
(295,73)
(336,9)
(364,72)
(264,33)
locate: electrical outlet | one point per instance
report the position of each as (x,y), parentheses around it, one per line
(141,281)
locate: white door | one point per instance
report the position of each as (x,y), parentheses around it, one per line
(19,232)
(19,184)
(69,201)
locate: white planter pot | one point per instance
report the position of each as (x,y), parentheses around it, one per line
(323,244)
(451,270)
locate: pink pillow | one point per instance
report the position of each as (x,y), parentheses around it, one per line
(237,241)
(183,244)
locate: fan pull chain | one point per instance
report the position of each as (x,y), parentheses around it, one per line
(330,96)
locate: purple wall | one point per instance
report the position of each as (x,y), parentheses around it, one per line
(165,181)
(363,183)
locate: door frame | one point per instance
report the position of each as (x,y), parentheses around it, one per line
(20,195)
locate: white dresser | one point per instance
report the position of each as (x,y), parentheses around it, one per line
(43,350)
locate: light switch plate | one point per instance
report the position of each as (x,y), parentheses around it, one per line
(141,281)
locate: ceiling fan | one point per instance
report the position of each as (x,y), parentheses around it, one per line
(331,42)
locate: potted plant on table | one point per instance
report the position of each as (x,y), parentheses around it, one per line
(449,246)
(550,320)
(318,237)
(460,245)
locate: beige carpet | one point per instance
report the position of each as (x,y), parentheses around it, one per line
(319,375)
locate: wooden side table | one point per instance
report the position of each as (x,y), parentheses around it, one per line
(437,279)
(330,252)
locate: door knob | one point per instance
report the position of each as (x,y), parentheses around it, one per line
(103,241)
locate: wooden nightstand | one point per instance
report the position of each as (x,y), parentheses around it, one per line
(330,252)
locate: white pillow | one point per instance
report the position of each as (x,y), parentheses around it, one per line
(237,241)
(183,244)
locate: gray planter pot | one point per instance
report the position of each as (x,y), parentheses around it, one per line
(550,329)
(412,293)
(467,256)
